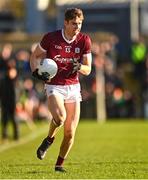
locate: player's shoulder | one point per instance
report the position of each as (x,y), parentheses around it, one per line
(83,37)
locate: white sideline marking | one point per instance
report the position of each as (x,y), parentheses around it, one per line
(24,140)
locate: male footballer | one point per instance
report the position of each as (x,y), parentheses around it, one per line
(71,50)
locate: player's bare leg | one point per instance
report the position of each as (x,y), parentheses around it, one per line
(57,109)
(72,119)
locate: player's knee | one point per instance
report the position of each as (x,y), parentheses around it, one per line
(59,121)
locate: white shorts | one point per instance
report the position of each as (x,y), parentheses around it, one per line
(69,93)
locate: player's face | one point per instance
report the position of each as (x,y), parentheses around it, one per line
(73,26)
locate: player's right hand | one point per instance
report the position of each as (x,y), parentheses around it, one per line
(76,66)
(43,76)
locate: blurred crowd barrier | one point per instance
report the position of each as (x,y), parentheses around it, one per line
(126,95)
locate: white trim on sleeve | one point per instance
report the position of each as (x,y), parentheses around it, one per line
(89,55)
(41,48)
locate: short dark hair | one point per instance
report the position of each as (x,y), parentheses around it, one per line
(72,13)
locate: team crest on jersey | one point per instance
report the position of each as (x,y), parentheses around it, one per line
(77,50)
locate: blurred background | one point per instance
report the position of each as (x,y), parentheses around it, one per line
(117,88)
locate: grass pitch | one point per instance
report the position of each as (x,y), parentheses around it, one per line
(113,150)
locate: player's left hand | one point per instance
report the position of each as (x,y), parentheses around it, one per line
(43,77)
(48,81)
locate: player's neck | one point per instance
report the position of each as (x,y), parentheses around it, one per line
(68,36)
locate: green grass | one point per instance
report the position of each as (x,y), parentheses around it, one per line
(114,150)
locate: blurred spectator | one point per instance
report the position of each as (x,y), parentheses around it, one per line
(145,91)
(30,103)
(7,51)
(23,66)
(119,102)
(139,52)
(27,103)
(7,92)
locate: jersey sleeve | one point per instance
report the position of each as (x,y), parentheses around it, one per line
(87,45)
(44,44)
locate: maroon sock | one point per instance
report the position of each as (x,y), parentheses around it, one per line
(60,161)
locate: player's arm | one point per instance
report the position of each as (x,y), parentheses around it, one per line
(85,66)
(36,56)
(86,62)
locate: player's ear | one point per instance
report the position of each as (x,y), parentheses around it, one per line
(65,22)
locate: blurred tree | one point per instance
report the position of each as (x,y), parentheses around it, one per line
(16,7)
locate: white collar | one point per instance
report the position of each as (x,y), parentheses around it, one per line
(68,41)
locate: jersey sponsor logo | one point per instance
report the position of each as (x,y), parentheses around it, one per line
(58,47)
(65,60)
(77,50)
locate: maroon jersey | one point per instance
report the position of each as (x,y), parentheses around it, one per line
(63,52)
